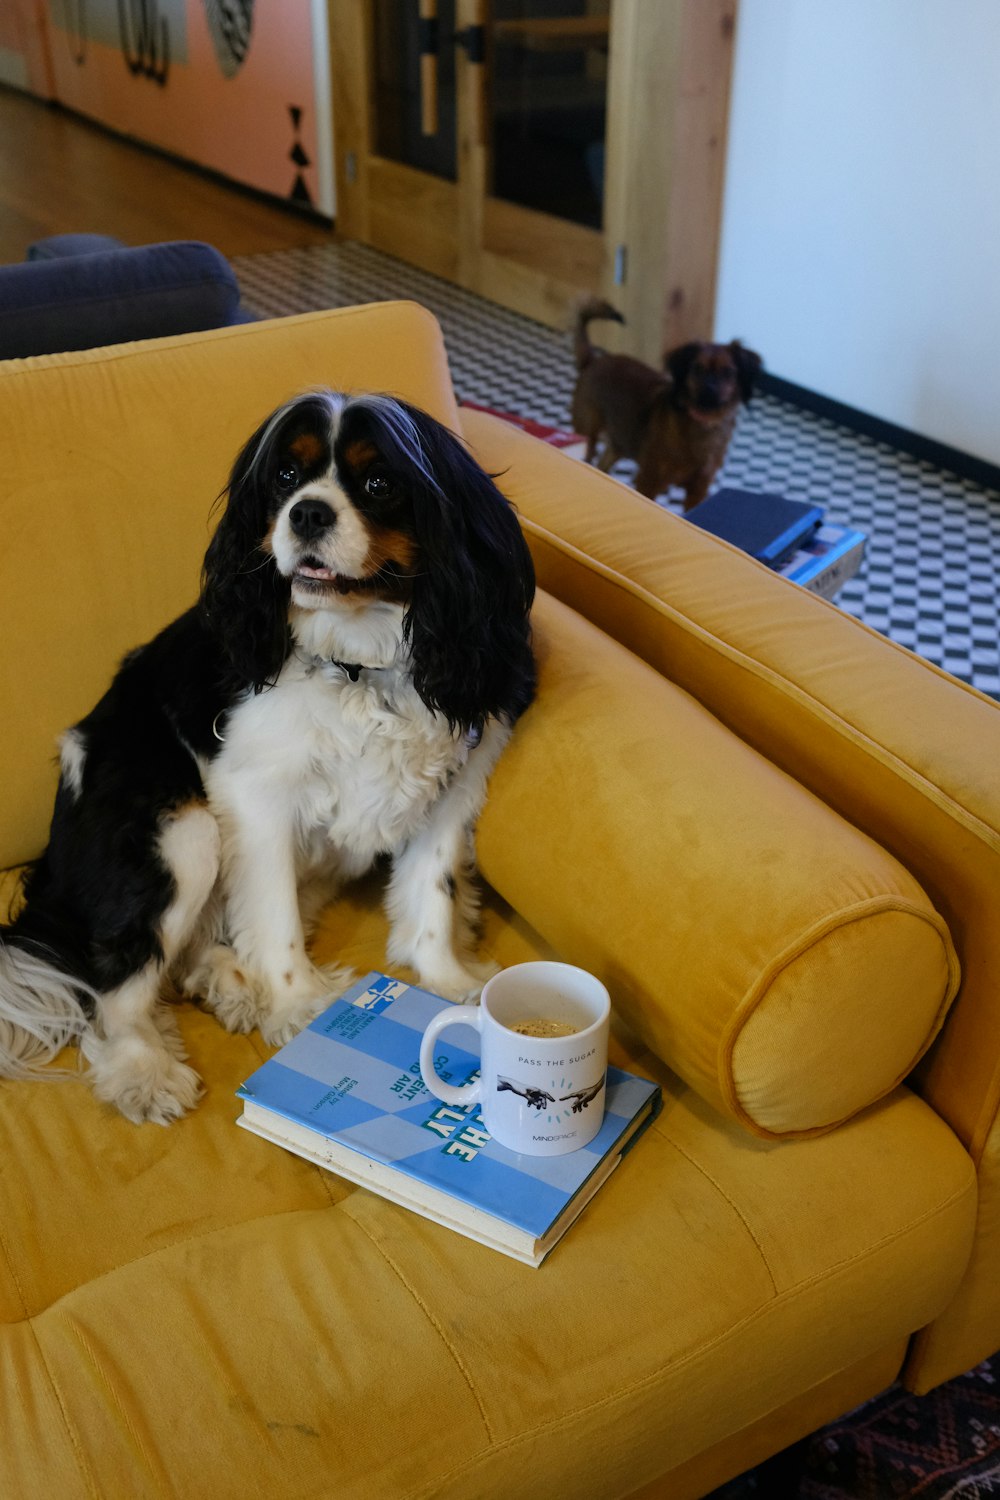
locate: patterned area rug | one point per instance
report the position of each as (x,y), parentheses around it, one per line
(942,1446)
(933,553)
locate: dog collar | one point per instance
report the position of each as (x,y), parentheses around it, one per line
(351,669)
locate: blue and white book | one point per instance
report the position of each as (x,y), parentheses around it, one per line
(347,1094)
(825,562)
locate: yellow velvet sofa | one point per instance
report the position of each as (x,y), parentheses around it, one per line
(773,834)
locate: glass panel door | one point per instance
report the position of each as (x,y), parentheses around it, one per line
(548,64)
(470,141)
(405,37)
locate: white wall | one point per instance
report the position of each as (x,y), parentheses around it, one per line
(861,230)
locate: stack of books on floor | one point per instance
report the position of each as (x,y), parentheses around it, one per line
(347,1094)
(790,536)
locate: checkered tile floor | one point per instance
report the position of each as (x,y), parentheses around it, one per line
(929,577)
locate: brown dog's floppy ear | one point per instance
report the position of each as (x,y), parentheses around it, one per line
(748,367)
(678,363)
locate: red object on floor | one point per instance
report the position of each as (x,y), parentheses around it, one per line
(558,437)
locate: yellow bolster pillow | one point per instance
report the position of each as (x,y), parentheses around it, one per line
(785,965)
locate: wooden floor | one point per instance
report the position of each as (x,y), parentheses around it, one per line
(61,175)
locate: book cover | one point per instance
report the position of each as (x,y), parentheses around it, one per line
(347,1093)
(826,560)
(769,527)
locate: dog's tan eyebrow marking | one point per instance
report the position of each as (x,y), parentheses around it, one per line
(307,447)
(359,454)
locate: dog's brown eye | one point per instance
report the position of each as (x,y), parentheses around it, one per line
(287,478)
(379,487)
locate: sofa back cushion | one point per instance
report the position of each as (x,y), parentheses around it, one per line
(112,462)
(782,962)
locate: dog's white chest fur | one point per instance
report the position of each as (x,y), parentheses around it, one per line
(357,765)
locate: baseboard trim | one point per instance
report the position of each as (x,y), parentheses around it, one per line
(211,174)
(978,470)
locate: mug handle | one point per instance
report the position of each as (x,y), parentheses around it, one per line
(466,1093)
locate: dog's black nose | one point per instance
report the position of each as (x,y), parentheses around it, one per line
(309,517)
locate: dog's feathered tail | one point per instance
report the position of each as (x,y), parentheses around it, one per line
(591,309)
(40,1009)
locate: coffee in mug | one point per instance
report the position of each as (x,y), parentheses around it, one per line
(542,1026)
(544,1050)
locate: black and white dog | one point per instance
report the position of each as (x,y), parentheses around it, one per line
(341,691)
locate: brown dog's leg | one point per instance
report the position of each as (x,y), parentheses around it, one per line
(593,434)
(696,489)
(586,419)
(649,481)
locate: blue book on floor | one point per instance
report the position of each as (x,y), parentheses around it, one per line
(347,1094)
(769,527)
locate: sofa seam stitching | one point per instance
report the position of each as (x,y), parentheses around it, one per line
(940,798)
(860,911)
(164,1249)
(71,1433)
(118,1407)
(633,586)
(79,1453)
(704,1172)
(434,1322)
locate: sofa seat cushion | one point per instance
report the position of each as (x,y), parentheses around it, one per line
(192,1311)
(782,962)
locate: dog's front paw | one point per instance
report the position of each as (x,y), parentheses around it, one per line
(142,1080)
(228,989)
(463,983)
(288,1014)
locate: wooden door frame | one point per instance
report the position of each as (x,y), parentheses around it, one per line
(412,215)
(668,111)
(668,104)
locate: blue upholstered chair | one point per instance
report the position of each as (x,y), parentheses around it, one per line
(78,291)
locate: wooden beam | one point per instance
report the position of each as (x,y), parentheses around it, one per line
(349,31)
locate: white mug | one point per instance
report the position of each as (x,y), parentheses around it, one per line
(542,1095)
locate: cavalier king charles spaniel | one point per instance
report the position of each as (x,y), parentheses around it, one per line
(340,692)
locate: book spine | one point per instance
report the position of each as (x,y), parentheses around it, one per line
(826,574)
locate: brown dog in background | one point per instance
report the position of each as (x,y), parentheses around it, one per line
(676,424)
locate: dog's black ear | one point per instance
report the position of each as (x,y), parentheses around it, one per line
(679,361)
(748,367)
(244,598)
(468,619)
